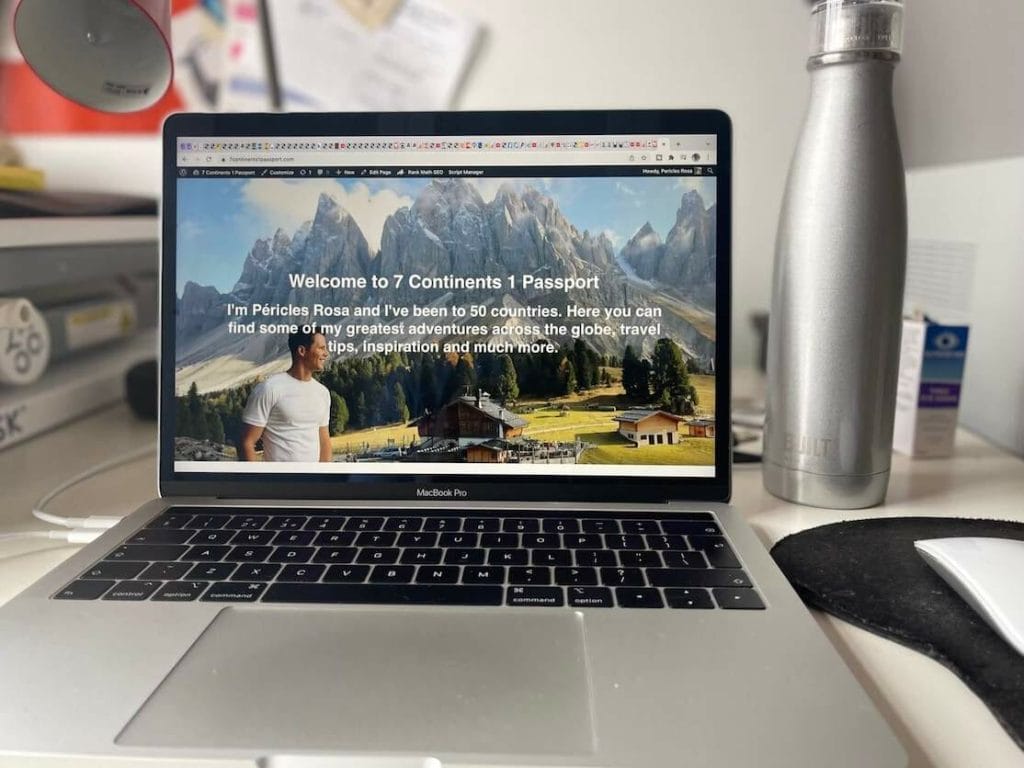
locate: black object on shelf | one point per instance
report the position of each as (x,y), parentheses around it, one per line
(141,389)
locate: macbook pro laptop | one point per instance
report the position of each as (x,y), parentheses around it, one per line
(444,469)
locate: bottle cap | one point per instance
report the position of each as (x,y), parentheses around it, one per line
(24,342)
(842,26)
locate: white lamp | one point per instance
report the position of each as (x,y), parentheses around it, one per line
(110,55)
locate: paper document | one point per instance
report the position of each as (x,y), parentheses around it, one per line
(245,87)
(328,60)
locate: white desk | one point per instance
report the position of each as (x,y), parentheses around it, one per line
(940,722)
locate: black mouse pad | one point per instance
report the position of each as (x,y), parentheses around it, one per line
(868,573)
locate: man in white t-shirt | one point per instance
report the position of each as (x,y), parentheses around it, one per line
(291,410)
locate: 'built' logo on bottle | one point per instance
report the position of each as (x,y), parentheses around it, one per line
(808,445)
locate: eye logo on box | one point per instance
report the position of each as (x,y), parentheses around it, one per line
(947,341)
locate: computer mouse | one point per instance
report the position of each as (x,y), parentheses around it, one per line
(986,572)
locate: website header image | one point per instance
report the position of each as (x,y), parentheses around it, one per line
(546,325)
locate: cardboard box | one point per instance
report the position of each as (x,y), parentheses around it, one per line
(928,393)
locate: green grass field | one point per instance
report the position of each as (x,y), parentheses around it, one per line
(551,424)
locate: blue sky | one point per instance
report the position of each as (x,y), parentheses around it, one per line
(220,219)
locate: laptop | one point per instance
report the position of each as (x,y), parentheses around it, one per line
(444,468)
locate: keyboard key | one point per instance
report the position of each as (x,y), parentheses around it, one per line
(488,574)
(289,523)
(641,526)
(442,524)
(302,572)
(249,554)
(255,572)
(148,552)
(422,556)
(376,539)
(548,596)
(335,555)
(666,541)
(234,592)
(222,536)
(520,525)
(542,540)
(324,523)
(465,556)
(507,557)
(403,524)
(364,524)
(624,541)
(437,574)
(638,598)
(204,554)
(590,597)
(600,526)
(499,540)
(292,555)
(687,559)
(401,594)
(132,590)
(386,556)
(551,557)
(462,540)
(481,524)
(166,571)
(575,576)
(86,589)
(210,571)
(161,536)
(347,573)
(247,522)
(170,520)
(595,558)
(253,538)
(208,521)
(334,539)
(419,540)
(717,550)
(392,574)
(688,598)
(561,525)
(691,528)
(180,591)
(583,541)
(742,599)
(116,569)
(697,577)
(642,559)
(622,577)
(294,538)
(532,575)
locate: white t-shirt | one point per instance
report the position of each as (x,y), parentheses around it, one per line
(291,413)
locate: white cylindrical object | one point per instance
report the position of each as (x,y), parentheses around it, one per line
(15,313)
(110,55)
(25,348)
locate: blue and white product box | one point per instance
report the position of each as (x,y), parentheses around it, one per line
(928,393)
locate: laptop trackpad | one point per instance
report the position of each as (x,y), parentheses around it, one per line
(379,680)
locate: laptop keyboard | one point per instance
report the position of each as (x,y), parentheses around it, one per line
(248,555)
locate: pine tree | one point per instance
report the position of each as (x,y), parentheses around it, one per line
(339,415)
(400,405)
(507,388)
(671,382)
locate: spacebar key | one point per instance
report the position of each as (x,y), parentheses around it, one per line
(401,594)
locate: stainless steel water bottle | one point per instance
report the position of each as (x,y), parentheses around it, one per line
(840,260)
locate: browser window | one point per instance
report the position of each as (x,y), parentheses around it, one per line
(529,305)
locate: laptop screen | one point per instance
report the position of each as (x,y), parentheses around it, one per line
(477,305)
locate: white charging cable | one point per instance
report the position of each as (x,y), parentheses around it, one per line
(83,529)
